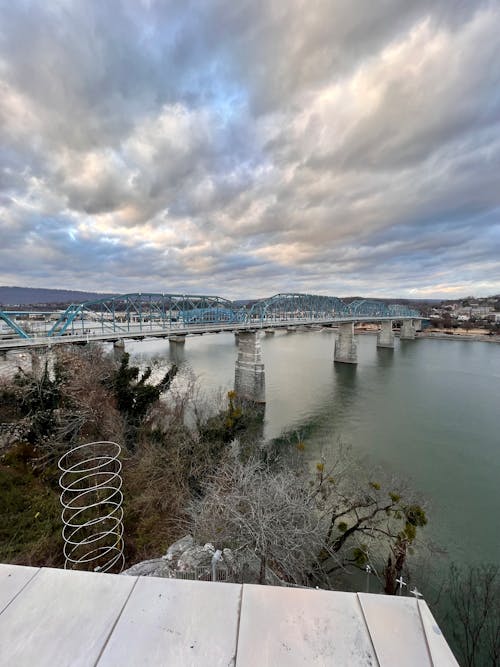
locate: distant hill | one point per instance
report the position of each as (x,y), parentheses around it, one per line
(23,296)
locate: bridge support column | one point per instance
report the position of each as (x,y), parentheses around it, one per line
(177,340)
(407,330)
(345,346)
(417,324)
(385,336)
(118,348)
(249,376)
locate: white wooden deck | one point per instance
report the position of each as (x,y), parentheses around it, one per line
(58,618)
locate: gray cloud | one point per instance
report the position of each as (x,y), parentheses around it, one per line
(247,148)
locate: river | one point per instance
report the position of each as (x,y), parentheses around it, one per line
(429,410)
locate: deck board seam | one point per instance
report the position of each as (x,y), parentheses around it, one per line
(103,648)
(240,605)
(21,590)
(368,629)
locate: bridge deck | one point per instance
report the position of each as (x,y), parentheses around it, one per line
(56,618)
(175,329)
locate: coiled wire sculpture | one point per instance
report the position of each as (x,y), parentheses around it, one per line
(92,513)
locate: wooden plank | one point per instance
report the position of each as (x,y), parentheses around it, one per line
(169,622)
(396,630)
(62,618)
(290,626)
(12,580)
(441,653)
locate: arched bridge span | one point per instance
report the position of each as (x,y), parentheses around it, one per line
(140,314)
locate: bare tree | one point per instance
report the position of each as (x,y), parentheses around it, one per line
(473,597)
(304,525)
(368,517)
(259,514)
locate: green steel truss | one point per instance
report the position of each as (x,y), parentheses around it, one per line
(142,312)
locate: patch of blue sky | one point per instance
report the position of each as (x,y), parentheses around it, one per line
(229,102)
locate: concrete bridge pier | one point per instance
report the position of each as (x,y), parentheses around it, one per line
(177,340)
(176,345)
(249,376)
(385,336)
(417,324)
(407,330)
(346,351)
(118,348)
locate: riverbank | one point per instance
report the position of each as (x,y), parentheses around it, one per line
(460,335)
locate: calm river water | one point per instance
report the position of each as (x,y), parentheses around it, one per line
(429,411)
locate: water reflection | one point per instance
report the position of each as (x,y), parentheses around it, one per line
(385,356)
(177,353)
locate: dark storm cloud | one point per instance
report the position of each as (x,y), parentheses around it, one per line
(251,147)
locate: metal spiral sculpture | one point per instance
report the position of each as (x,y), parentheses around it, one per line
(92,513)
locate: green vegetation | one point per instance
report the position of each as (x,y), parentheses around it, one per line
(30,529)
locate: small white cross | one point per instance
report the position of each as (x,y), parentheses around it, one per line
(416,593)
(401,584)
(368,570)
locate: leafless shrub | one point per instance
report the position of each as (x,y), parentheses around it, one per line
(305,524)
(262,514)
(472,595)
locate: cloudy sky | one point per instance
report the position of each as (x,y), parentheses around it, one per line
(248,147)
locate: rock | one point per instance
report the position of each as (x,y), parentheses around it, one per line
(12,433)
(157,567)
(184,557)
(177,548)
(195,557)
(229,560)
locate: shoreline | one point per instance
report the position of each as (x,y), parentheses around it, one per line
(481,338)
(438,335)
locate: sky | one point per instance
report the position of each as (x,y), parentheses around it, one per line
(244,148)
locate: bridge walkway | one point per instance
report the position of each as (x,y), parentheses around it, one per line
(175,329)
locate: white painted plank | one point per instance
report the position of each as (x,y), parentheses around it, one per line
(62,619)
(396,630)
(175,623)
(441,653)
(12,580)
(291,626)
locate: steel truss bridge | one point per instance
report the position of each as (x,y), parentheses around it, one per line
(144,315)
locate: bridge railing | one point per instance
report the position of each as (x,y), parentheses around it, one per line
(140,313)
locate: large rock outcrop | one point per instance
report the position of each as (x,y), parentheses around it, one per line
(184,557)
(187,560)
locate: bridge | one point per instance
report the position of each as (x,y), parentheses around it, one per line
(144,315)
(176,316)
